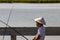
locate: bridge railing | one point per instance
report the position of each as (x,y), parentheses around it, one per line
(29,30)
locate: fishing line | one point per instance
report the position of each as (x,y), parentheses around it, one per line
(7,22)
(10,26)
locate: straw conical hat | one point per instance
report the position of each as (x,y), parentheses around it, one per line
(40,20)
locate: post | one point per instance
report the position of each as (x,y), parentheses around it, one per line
(13,37)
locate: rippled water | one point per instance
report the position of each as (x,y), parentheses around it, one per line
(23,15)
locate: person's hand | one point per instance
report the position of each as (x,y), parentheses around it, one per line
(34,38)
(37,37)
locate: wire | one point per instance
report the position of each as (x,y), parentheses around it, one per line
(13,29)
(7,22)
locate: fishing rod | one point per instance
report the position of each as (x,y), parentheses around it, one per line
(13,29)
(10,26)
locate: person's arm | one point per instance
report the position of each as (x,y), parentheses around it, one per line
(37,37)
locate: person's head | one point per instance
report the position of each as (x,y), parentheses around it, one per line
(40,22)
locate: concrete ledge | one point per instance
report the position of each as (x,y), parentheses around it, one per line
(28,31)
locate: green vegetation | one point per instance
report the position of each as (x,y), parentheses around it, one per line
(30,1)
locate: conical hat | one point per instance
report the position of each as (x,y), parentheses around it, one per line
(40,20)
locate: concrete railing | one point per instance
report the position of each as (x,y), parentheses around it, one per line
(29,30)
(14,31)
